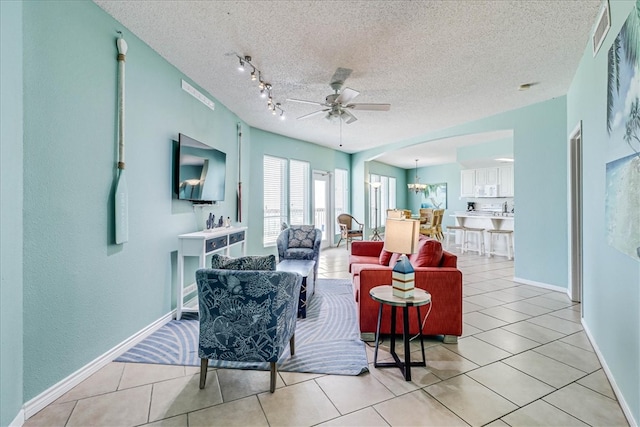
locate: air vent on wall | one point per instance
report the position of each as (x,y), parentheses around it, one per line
(602,27)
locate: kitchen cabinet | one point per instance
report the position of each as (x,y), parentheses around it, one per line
(501,176)
(486,176)
(467,182)
(505,181)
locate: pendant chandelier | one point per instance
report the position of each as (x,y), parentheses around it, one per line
(416,186)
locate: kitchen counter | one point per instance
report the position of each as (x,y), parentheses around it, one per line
(490,215)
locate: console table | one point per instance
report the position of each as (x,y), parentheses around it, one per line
(201,244)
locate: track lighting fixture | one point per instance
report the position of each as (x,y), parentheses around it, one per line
(264,87)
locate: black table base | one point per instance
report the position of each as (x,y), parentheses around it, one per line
(405,366)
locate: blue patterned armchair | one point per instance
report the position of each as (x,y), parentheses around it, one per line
(300,242)
(246,316)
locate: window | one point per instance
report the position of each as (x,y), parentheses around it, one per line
(341,193)
(286,195)
(298,192)
(386,199)
(275,198)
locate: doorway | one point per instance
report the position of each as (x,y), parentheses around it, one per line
(322,209)
(575,215)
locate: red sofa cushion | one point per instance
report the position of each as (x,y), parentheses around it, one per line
(385,257)
(429,254)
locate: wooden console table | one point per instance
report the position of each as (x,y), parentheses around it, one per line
(201,244)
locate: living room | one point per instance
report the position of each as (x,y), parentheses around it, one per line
(70,294)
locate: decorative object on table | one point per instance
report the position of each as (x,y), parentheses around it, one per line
(434,196)
(211,222)
(349,230)
(401,236)
(327,341)
(227,222)
(416,186)
(220,221)
(376,186)
(621,203)
(121,194)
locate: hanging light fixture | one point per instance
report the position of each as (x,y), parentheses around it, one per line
(416,186)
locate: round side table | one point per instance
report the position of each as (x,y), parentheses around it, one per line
(384,295)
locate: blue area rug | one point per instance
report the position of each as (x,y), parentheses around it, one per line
(327,341)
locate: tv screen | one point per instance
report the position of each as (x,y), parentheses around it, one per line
(200,171)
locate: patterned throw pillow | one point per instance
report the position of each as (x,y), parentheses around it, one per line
(302,236)
(255,262)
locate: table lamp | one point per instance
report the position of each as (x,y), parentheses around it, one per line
(401,236)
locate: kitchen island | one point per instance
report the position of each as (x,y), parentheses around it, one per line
(486,220)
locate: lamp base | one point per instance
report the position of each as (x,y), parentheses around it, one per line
(403,278)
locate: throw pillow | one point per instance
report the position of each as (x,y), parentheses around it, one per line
(394,259)
(385,257)
(302,236)
(429,254)
(254,262)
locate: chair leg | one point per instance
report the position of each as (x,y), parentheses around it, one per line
(204,364)
(338,245)
(292,344)
(272,386)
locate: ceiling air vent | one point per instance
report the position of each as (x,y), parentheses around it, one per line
(602,27)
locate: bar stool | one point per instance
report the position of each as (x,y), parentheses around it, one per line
(453,229)
(479,234)
(508,234)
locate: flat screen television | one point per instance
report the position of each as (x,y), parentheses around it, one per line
(200,171)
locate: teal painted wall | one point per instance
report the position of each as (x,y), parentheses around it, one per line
(265,143)
(539,138)
(83,294)
(611,287)
(11,184)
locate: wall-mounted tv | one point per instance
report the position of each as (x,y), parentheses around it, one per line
(200,171)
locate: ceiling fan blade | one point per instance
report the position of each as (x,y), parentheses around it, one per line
(315,113)
(369,107)
(346,95)
(348,117)
(302,101)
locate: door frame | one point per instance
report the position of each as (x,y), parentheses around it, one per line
(575,214)
(326,176)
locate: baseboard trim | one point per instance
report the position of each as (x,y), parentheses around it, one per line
(614,386)
(540,284)
(19,420)
(57,390)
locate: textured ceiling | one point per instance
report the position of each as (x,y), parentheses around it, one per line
(438,63)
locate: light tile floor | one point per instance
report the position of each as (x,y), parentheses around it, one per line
(524,359)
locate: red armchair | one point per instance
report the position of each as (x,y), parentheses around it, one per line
(441,279)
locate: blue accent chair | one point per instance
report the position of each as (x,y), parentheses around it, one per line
(246,316)
(300,242)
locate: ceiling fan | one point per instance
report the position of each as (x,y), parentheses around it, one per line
(338,104)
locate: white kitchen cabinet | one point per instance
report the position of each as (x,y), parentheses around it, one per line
(486,176)
(505,181)
(467,182)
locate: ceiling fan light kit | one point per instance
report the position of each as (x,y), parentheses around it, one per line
(264,87)
(337,105)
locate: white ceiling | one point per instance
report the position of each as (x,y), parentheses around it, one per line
(438,63)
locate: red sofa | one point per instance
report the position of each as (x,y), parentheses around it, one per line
(435,271)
